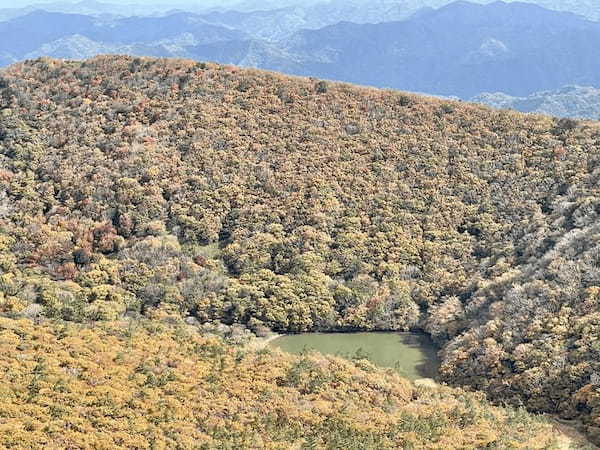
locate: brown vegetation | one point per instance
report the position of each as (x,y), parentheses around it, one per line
(130,185)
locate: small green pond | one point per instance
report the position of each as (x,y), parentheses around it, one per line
(412,355)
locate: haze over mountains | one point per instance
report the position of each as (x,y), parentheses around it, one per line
(574,101)
(512,49)
(302,13)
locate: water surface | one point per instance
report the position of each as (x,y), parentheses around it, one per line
(413,355)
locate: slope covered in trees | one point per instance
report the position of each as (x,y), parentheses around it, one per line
(151,385)
(143,186)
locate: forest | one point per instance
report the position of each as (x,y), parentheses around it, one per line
(153,191)
(158,385)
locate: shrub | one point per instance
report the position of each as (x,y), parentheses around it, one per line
(321,87)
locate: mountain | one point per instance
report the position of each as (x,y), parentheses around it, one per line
(279,20)
(263,24)
(80,36)
(106,9)
(174,190)
(373,11)
(515,48)
(281,23)
(570,101)
(585,8)
(276,22)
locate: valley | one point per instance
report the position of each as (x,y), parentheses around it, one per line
(140,197)
(300,224)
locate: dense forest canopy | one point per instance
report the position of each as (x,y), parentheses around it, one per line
(136,186)
(159,386)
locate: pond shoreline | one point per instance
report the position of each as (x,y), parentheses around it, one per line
(262,342)
(568,434)
(354,330)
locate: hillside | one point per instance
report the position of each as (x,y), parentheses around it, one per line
(140,186)
(150,385)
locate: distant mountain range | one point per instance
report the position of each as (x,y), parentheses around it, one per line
(570,101)
(463,49)
(277,19)
(77,36)
(282,22)
(106,8)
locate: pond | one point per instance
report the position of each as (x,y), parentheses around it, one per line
(412,355)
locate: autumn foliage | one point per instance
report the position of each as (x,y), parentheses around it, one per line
(149,385)
(132,185)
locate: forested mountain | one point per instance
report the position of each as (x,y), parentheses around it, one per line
(517,49)
(172,188)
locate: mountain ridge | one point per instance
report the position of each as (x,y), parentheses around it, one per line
(500,45)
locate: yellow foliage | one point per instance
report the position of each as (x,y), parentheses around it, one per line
(145,385)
